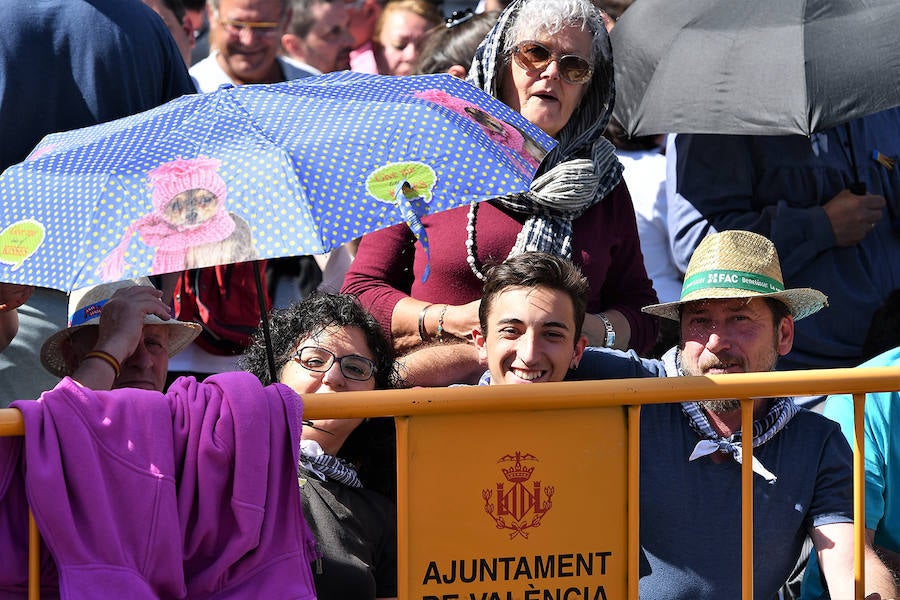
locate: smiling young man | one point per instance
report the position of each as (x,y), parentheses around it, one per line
(531,316)
(530,330)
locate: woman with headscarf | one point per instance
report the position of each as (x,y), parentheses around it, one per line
(551,60)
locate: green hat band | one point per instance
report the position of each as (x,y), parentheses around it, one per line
(721,278)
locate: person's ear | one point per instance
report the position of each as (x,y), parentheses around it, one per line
(290,43)
(480,344)
(458,71)
(578,352)
(785,335)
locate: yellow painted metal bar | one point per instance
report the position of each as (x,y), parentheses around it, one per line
(859,496)
(586,394)
(634,499)
(577,394)
(11,422)
(34,559)
(747,498)
(403,558)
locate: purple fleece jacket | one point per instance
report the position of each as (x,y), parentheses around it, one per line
(143,495)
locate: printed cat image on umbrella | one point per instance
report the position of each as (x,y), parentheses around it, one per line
(189,226)
(254,172)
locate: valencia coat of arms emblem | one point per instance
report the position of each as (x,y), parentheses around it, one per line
(521,503)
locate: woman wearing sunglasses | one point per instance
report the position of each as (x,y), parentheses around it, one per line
(552,61)
(328,343)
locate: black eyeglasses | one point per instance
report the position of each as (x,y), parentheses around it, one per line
(534,56)
(457,17)
(353,366)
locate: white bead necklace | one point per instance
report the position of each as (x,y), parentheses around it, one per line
(470,243)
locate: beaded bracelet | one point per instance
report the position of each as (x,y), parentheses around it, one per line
(440,329)
(610,339)
(422,333)
(107,358)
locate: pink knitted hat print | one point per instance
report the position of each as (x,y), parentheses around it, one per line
(171,178)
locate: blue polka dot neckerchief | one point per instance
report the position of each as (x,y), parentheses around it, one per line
(781,411)
(325,466)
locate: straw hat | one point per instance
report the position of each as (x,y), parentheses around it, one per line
(84,311)
(738,264)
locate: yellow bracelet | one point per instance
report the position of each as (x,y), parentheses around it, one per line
(107,358)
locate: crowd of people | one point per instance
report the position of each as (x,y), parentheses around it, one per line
(665,256)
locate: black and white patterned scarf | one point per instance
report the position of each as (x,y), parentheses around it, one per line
(781,411)
(325,466)
(577,174)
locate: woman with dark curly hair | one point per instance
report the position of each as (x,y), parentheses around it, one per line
(329,343)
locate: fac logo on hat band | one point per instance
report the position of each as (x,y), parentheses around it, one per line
(738,264)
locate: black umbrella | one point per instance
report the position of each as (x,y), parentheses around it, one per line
(767,67)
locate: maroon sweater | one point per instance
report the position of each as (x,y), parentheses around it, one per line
(389,263)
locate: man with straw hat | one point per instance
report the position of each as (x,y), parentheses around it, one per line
(119,335)
(736,317)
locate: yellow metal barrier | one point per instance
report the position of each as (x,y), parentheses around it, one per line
(630,393)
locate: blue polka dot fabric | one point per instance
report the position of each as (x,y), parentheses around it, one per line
(256,171)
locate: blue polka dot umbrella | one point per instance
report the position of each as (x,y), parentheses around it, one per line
(256,171)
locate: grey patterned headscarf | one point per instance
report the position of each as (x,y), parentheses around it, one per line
(583,167)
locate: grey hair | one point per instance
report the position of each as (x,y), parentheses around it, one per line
(549,17)
(302,20)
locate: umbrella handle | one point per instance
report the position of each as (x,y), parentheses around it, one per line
(264,316)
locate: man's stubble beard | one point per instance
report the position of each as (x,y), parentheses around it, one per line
(728,405)
(721,407)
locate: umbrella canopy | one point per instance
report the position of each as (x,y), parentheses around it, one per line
(256,171)
(769,67)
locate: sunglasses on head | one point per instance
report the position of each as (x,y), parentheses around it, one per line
(534,56)
(458,17)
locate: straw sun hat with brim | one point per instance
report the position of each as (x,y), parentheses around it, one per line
(738,264)
(84,311)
